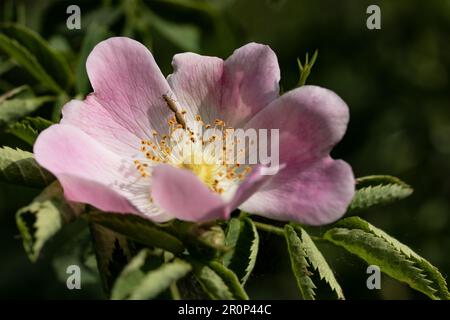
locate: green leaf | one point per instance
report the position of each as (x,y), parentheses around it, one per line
(140,280)
(232,236)
(394,258)
(318,262)
(184,36)
(19,167)
(18,92)
(138,229)
(243,240)
(159,280)
(29,128)
(45,216)
(133,273)
(202,240)
(190,289)
(230,279)
(51,63)
(23,57)
(6,65)
(12,110)
(374,190)
(211,282)
(72,245)
(112,253)
(299,263)
(60,101)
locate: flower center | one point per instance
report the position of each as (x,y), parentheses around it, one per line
(185,147)
(205,172)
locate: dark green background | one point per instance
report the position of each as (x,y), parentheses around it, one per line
(395,81)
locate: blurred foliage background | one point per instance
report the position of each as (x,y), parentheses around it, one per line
(395,81)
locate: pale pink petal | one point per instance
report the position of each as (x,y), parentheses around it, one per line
(96,121)
(256,179)
(316,195)
(310,120)
(312,188)
(196,83)
(97,194)
(233,90)
(180,193)
(250,82)
(128,83)
(88,172)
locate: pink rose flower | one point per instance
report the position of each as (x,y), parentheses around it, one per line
(112,150)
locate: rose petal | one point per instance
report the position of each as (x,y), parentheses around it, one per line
(317,195)
(88,172)
(250,82)
(312,188)
(128,83)
(196,83)
(233,90)
(97,121)
(256,179)
(180,193)
(310,120)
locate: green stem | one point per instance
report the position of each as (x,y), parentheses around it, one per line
(175,292)
(277,230)
(269,228)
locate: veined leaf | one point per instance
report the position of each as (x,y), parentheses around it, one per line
(318,262)
(160,279)
(52,62)
(133,273)
(190,289)
(146,276)
(112,253)
(19,167)
(232,236)
(243,240)
(11,110)
(212,283)
(27,60)
(299,263)
(45,216)
(231,279)
(29,128)
(394,258)
(374,190)
(138,229)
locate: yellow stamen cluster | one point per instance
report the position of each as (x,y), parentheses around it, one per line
(163,149)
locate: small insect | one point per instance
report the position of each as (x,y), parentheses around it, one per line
(171,104)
